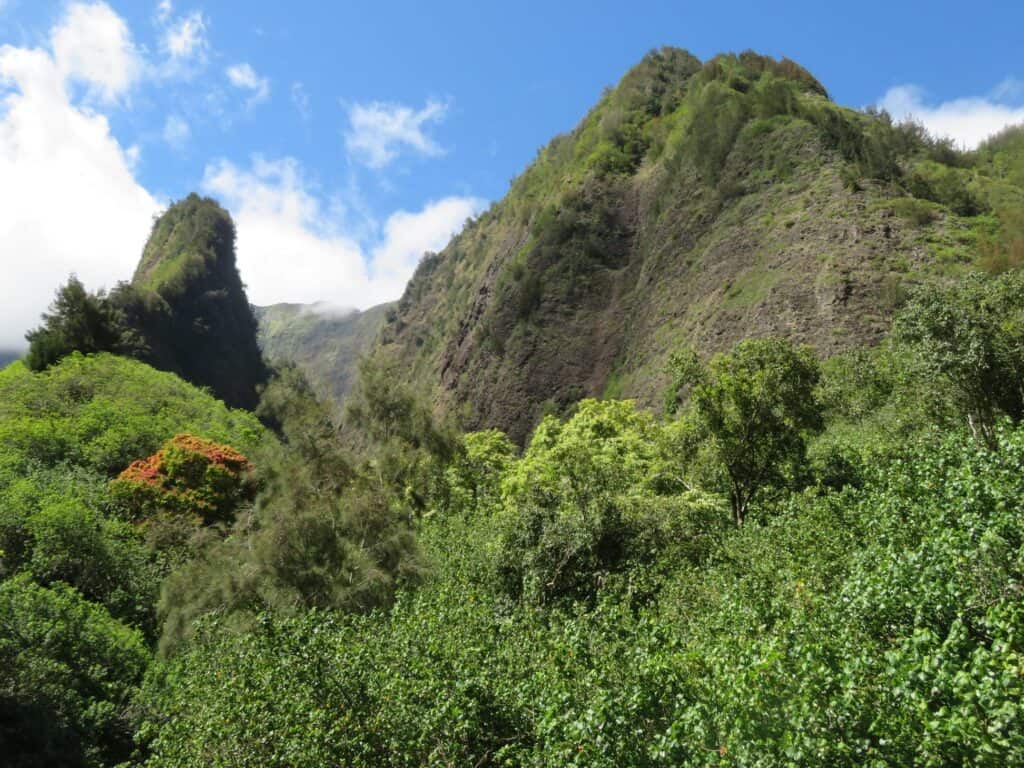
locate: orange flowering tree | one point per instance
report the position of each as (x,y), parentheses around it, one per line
(189,475)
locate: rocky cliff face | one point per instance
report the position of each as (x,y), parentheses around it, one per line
(698,203)
(189,306)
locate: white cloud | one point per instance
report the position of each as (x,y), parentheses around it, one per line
(176,131)
(92,45)
(163,10)
(968,121)
(244,76)
(69,199)
(379,131)
(290,248)
(70,202)
(407,235)
(185,41)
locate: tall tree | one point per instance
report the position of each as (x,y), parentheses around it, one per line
(970,339)
(754,406)
(77,321)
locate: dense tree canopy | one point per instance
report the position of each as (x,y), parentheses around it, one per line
(751,410)
(79,321)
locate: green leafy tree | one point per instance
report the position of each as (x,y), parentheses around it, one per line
(69,673)
(564,524)
(310,442)
(324,532)
(583,504)
(754,406)
(873,406)
(473,478)
(970,338)
(78,321)
(399,437)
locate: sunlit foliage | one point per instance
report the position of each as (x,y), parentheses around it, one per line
(188,476)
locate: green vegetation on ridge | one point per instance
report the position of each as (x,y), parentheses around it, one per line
(325,343)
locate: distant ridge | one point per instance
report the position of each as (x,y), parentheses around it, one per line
(325,342)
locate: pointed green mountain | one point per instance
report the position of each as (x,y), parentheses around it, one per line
(188,303)
(697,203)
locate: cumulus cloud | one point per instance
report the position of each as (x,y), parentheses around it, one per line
(92,45)
(69,199)
(968,121)
(379,131)
(293,248)
(244,76)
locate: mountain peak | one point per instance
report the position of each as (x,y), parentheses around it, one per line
(189,303)
(192,237)
(697,203)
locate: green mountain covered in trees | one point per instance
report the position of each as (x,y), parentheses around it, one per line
(697,203)
(189,304)
(801,543)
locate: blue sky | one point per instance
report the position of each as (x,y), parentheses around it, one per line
(347,138)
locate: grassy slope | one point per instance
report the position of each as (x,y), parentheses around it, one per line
(101,412)
(695,204)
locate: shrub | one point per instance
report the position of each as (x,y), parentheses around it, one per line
(70,671)
(917,212)
(188,476)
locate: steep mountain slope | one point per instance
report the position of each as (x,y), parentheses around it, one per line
(326,345)
(695,204)
(188,304)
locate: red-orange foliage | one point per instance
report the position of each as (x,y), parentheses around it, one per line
(188,475)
